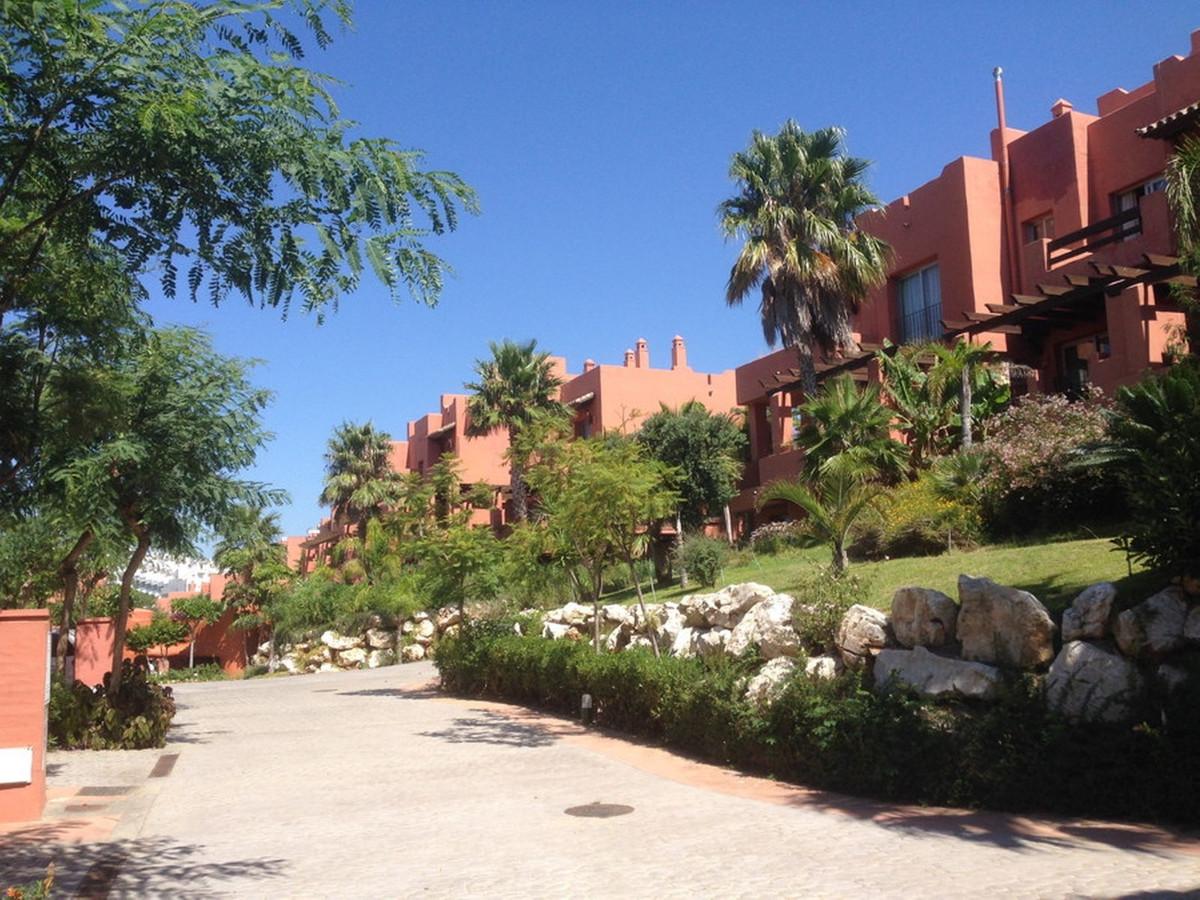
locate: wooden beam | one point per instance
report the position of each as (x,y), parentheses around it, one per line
(1054,290)
(1129,271)
(1002,307)
(1158,259)
(1104,269)
(1027,300)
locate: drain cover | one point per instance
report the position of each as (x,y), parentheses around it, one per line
(599,810)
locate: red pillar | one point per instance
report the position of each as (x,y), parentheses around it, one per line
(24,681)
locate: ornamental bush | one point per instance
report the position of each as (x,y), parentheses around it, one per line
(702,557)
(86,718)
(774,537)
(840,735)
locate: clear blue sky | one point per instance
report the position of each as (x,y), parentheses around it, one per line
(598,136)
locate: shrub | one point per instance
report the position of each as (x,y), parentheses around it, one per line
(838,735)
(202,672)
(918,519)
(137,717)
(702,557)
(773,537)
(161,632)
(822,598)
(1033,479)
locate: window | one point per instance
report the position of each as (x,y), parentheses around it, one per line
(1130,199)
(1103,347)
(921,305)
(1039,229)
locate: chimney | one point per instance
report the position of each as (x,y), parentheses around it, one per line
(629,359)
(588,365)
(1061,107)
(642,355)
(678,353)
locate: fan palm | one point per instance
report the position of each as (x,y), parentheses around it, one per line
(798,196)
(835,498)
(1183,195)
(843,416)
(515,388)
(359,479)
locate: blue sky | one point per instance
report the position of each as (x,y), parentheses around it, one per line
(598,136)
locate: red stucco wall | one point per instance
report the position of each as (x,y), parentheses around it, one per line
(24,657)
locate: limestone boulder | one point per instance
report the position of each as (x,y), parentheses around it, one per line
(1087,618)
(574,614)
(711,642)
(425,631)
(335,641)
(1153,628)
(766,686)
(737,600)
(378,639)
(327,667)
(683,643)
(452,631)
(640,642)
(1090,683)
(861,635)
(353,658)
(447,616)
(671,624)
(618,638)
(823,668)
(291,664)
(378,658)
(554,631)
(653,613)
(699,610)
(1003,626)
(408,627)
(614,614)
(768,625)
(922,617)
(420,617)
(412,653)
(936,676)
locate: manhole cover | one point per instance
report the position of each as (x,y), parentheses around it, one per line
(599,810)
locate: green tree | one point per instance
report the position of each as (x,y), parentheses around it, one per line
(980,394)
(1183,195)
(798,196)
(188,136)
(834,499)
(459,563)
(514,388)
(251,554)
(162,632)
(705,449)
(844,417)
(359,479)
(195,612)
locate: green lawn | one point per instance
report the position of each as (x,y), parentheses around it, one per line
(1053,572)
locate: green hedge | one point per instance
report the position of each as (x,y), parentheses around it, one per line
(85,718)
(838,735)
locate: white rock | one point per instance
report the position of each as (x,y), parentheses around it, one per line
(698,609)
(327,667)
(354,657)
(712,642)
(671,625)
(682,645)
(1002,625)
(922,617)
(377,658)
(653,610)
(378,639)
(335,641)
(412,653)
(823,668)
(447,616)
(574,614)
(640,642)
(861,634)
(408,627)
(615,614)
(420,617)
(765,687)
(1087,616)
(618,638)
(1153,628)
(768,625)
(554,631)
(1090,683)
(425,630)
(290,663)
(937,676)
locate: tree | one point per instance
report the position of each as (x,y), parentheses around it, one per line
(798,196)
(1183,195)
(250,552)
(844,417)
(599,497)
(458,563)
(186,135)
(359,479)
(834,500)
(964,364)
(187,421)
(705,449)
(162,632)
(195,612)
(514,388)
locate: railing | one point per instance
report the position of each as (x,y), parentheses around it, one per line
(1111,230)
(922,325)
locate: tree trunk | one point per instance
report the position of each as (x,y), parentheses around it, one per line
(69,570)
(520,502)
(840,558)
(135,563)
(272,662)
(964,408)
(192,653)
(683,575)
(728,525)
(637,583)
(808,370)
(597,587)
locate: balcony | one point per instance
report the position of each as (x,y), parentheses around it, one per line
(1112,230)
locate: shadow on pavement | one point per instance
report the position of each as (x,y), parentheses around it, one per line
(417,693)
(490,728)
(143,866)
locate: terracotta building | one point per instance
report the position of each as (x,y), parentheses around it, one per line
(1058,249)
(603,397)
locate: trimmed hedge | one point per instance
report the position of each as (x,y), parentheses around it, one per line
(838,735)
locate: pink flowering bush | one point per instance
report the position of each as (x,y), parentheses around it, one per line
(1034,476)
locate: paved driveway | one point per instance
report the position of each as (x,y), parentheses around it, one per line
(363,784)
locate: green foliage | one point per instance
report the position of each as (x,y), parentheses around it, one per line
(42,889)
(106,600)
(705,449)
(798,196)
(134,717)
(457,564)
(918,519)
(822,597)
(163,631)
(359,479)
(844,418)
(838,735)
(774,537)
(202,672)
(196,610)
(1156,448)
(530,574)
(702,557)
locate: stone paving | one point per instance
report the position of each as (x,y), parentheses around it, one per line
(368,784)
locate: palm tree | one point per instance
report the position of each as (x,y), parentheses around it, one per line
(964,363)
(798,196)
(359,479)
(1183,195)
(834,499)
(843,416)
(515,388)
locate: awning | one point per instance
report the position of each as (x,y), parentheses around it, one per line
(445,429)
(1170,125)
(582,399)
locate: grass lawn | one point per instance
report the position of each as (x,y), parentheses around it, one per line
(1053,572)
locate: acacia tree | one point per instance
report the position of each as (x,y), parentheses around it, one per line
(798,196)
(516,387)
(188,421)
